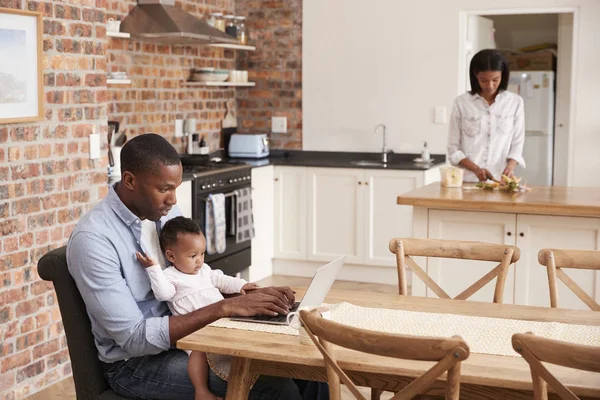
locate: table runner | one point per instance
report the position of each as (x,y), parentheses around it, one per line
(484,335)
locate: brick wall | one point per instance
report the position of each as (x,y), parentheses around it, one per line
(47,181)
(156,98)
(275,27)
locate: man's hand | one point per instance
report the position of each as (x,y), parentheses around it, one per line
(265,301)
(249,287)
(145,260)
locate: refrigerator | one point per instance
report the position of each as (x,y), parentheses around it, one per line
(537,90)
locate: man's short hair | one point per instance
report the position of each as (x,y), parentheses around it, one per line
(147,153)
(174,227)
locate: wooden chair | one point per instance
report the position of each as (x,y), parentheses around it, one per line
(448,352)
(554,260)
(407,248)
(536,349)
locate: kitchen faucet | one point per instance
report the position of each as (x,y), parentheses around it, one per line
(384,150)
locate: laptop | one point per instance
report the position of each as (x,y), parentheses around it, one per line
(314,296)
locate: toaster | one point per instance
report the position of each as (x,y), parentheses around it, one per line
(248,145)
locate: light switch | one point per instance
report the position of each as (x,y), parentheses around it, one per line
(279,124)
(178,128)
(94,146)
(440,115)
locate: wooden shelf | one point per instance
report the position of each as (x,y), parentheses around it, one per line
(239,84)
(233,46)
(118,81)
(118,35)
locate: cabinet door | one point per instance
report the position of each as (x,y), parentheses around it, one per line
(384,218)
(536,232)
(262,244)
(335,216)
(290,212)
(454,276)
(184,198)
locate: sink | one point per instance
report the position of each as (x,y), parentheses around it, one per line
(368,163)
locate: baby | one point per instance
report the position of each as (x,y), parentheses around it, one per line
(189,284)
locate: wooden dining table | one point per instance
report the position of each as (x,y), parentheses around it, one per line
(483,376)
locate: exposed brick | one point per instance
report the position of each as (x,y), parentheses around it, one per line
(78,29)
(8,227)
(57,359)
(11,329)
(29,307)
(56,234)
(42,238)
(43,7)
(11,244)
(41,221)
(11,191)
(26,240)
(25,171)
(27,325)
(15,361)
(42,319)
(31,371)
(44,349)
(26,206)
(29,340)
(41,287)
(95,80)
(55,200)
(68,79)
(6,349)
(5,315)
(13,296)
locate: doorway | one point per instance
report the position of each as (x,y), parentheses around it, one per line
(548,37)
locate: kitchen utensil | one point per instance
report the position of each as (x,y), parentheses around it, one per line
(229,121)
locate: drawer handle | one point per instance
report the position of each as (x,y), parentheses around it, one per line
(522,234)
(508,233)
(276,179)
(359,182)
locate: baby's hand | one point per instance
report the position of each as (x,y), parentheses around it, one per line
(248,287)
(145,260)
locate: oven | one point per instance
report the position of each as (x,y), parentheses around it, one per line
(226,180)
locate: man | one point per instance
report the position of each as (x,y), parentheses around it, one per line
(134,333)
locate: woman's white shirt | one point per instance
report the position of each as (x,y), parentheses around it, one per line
(487,135)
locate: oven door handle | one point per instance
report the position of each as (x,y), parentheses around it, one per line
(230,194)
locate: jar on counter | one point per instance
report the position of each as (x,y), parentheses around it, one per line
(241,33)
(218,21)
(230,26)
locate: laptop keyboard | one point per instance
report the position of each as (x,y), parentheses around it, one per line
(276,318)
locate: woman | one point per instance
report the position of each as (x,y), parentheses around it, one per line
(487,124)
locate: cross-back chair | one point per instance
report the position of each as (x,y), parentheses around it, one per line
(536,349)
(447,353)
(404,249)
(555,260)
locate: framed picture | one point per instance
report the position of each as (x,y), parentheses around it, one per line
(21,79)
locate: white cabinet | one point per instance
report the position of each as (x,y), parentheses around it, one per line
(290,212)
(335,214)
(262,208)
(384,219)
(184,198)
(527,280)
(354,212)
(453,275)
(536,232)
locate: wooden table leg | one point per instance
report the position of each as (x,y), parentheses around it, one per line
(240,379)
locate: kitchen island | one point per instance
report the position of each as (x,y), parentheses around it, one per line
(555,217)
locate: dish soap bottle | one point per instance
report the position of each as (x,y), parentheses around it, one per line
(203,146)
(425,157)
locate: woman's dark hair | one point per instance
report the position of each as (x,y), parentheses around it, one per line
(147,153)
(488,60)
(175,226)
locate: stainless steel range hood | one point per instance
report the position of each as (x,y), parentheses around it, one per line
(159,21)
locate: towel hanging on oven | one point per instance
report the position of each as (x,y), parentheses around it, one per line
(215,223)
(244,220)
